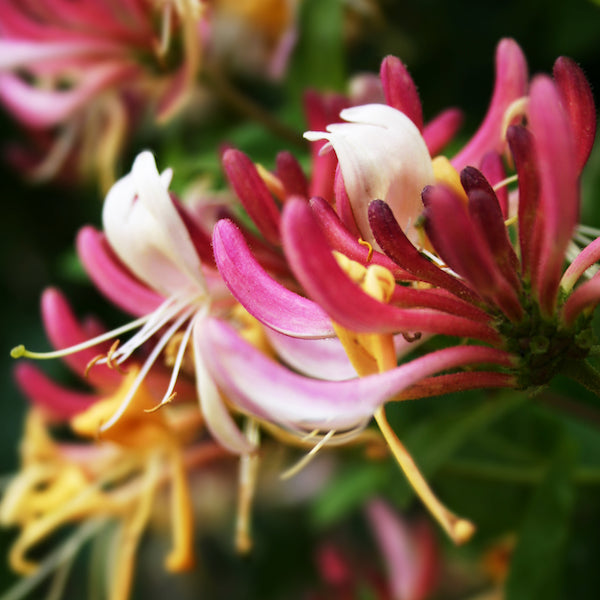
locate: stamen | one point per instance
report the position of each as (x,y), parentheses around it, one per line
(145,368)
(162,403)
(169,394)
(370,248)
(460,530)
(165,34)
(511,220)
(21,351)
(248,471)
(505,182)
(109,358)
(295,469)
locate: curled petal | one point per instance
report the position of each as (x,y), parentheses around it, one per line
(585,297)
(264,388)
(262,296)
(320,358)
(584,260)
(37,107)
(510,85)
(60,402)
(109,275)
(215,412)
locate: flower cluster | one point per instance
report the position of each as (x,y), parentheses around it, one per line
(307,304)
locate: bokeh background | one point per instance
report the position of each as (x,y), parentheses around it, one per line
(449,49)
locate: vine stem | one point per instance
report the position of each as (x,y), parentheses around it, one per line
(583,373)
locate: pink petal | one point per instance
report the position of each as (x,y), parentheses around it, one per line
(585,297)
(291,175)
(523,150)
(60,402)
(253,193)
(578,101)
(262,296)
(111,277)
(511,84)
(64,330)
(492,168)
(400,89)
(320,358)
(559,185)
(584,260)
(264,388)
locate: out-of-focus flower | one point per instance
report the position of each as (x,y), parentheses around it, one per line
(79,76)
(410,556)
(95,481)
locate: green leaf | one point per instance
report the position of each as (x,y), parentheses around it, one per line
(437,438)
(537,560)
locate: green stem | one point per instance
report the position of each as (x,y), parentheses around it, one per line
(242,104)
(584,373)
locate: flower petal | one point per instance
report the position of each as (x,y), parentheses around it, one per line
(381,155)
(146,231)
(510,85)
(110,276)
(264,388)
(262,296)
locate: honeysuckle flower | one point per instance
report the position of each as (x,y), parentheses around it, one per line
(540,314)
(89,67)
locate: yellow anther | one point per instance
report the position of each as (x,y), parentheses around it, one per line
(516,109)
(511,220)
(272,182)
(369,247)
(446,174)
